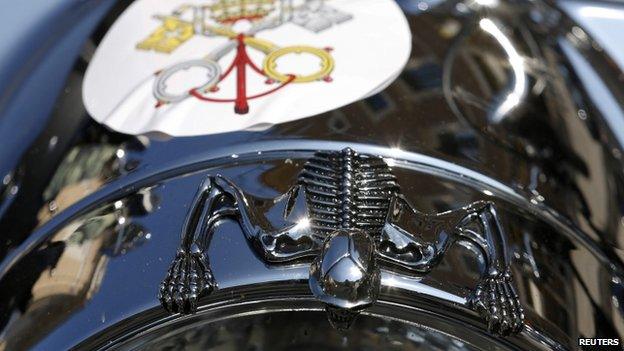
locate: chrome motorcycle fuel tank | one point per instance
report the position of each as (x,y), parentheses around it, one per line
(475,200)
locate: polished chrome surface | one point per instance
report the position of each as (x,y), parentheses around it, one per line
(504,102)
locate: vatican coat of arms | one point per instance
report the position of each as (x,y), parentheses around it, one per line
(218,18)
(203,67)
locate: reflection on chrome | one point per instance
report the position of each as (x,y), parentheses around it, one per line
(601,12)
(70,268)
(484,3)
(519,90)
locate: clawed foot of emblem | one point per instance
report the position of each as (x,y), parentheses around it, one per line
(188,278)
(496,300)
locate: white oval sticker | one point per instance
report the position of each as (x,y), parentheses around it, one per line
(202,67)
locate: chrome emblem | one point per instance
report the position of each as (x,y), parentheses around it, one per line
(348,218)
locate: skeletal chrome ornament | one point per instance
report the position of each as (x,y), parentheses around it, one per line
(345,276)
(348,216)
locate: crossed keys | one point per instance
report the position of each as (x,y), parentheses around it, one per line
(313,15)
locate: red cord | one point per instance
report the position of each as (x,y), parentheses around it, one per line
(240,62)
(198,95)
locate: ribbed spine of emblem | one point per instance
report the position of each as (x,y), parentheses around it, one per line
(347,188)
